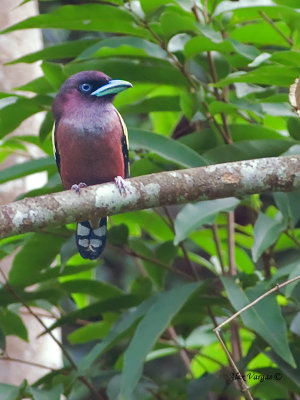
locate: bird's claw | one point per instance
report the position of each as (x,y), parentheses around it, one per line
(121,185)
(78,187)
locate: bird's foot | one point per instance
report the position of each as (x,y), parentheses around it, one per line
(78,187)
(121,185)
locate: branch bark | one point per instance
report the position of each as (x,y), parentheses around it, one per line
(165,188)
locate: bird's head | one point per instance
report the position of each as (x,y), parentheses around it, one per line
(87,87)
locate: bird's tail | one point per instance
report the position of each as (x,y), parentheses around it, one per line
(91,240)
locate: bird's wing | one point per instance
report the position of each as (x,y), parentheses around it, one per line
(125,147)
(55,151)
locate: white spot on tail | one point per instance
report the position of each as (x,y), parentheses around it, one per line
(82,230)
(95,242)
(83,242)
(100,231)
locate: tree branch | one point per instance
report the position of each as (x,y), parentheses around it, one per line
(165,188)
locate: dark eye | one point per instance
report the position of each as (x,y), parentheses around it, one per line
(85,87)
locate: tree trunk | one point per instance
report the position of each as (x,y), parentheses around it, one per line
(13,45)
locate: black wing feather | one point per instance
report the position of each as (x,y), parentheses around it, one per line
(125,147)
(55,150)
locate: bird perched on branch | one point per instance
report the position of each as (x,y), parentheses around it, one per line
(90,144)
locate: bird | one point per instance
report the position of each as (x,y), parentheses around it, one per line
(90,144)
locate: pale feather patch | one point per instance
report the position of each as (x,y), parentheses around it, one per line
(83,242)
(53,140)
(124,127)
(82,230)
(100,231)
(95,242)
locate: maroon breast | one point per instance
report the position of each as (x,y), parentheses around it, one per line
(90,148)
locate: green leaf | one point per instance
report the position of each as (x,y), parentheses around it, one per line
(141,284)
(119,330)
(27,168)
(56,272)
(60,51)
(211,42)
(93,331)
(166,252)
(46,126)
(86,17)
(165,147)
(9,392)
(14,110)
(249,10)
(188,104)
(241,132)
(146,70)
(41,394)
(216,107)
(54,74)
(291,373)
(146,105)
(265,75)
(288,204)
(287,58)
(262,33)
(150,6)
(264,318)
(173,23)
(294,274)
(144,166)
(122,46)
(96,289)
(243,261)
(193,216)
(36,255)
(293,125)
(155,271)
(202,141)
(146,220)
(118,235)
(116,303)
(2,341)
(247,150)
(164,123)
(210,33)
(38,85)
(277,109)
(12,324)
(266,231)
(50,295)
(148,331)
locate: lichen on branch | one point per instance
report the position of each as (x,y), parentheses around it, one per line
(161,189)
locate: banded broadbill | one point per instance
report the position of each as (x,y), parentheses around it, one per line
(90,144)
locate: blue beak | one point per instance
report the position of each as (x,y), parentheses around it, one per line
(113,87)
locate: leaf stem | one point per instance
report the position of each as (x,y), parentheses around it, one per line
(218,246)
(231,256)
(158,262)
(245,308)
(183,354)
(279,31)
(292,237)
(191,266)
(244,387)
(31,363)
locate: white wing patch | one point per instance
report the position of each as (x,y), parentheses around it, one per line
(53,140)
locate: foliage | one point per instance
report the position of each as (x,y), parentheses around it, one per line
(211,85)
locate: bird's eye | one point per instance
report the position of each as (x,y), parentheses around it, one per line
(85,87)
